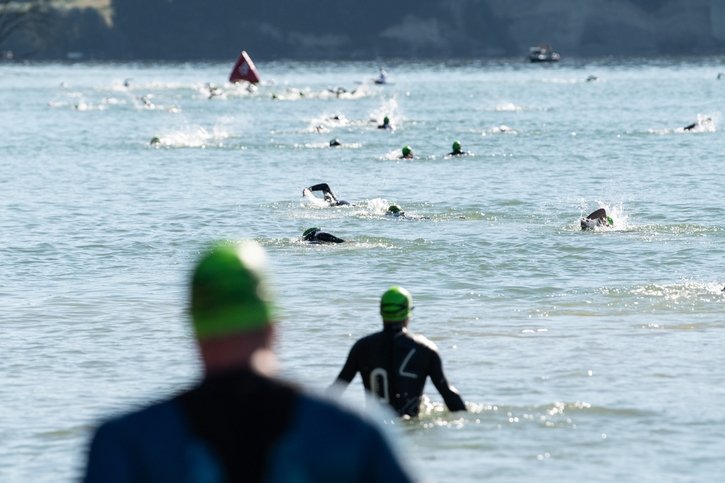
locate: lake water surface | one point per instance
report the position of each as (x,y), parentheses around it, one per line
(583,356)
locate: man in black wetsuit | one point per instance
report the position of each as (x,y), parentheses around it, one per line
(394,363)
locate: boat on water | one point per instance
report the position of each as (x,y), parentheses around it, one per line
(543,53)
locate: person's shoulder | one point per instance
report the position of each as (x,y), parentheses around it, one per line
(322,422)
(147,444)
(330,442)
(144,421)
(332,412)
(369,339)
(422,340)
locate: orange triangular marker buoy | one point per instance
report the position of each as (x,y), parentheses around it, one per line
(244,70)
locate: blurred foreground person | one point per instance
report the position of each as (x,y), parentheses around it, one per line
(239,424)
(395,363)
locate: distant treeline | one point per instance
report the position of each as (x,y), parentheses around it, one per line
(374,29)
(203,29)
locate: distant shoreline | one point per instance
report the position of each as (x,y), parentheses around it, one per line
(336,30)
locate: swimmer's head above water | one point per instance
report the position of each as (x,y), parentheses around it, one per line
(309,233)
(396,305)
(394,210)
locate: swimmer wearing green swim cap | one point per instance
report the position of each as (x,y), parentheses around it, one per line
(456,149)
(395,363)
(407,153)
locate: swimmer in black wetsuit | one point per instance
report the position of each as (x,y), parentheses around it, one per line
(327,193)
(394,211)
(394,363)
(596,219)
(315,235)
(698,123)
(457,151)
(386,124)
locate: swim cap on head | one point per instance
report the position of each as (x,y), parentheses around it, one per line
(407,150)
(456,146)
(394,209)
(386,120)
(335,142)
(396,305)
(229,292)
(610,222)
(309,231)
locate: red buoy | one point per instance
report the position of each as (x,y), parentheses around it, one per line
(244,70)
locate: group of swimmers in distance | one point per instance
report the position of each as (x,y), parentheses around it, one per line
(597,219)
(316,235)
(406,151)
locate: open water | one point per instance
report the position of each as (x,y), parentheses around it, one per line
(583,356)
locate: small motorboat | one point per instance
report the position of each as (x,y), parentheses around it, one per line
(543,53)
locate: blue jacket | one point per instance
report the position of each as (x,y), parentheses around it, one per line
(229,429)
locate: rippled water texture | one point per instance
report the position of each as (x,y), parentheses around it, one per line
(583,356)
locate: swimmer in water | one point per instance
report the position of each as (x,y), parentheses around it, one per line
(386,124)
(407,153)
(395,211)
(335,142)
(315,235)
(457,151)
(698,123)
(382,77)
(340,91)
(327,193)
(596,219)
(395,363)
(213,91)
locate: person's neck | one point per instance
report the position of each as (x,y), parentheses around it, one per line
(244,351)
(397,327)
